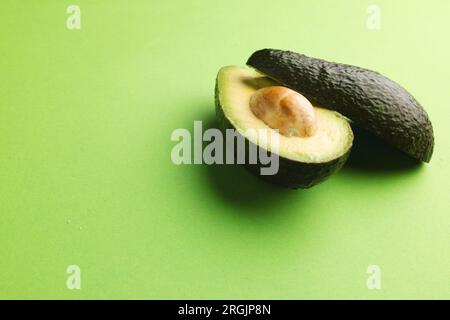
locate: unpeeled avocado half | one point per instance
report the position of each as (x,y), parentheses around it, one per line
(304,161)
(371,100)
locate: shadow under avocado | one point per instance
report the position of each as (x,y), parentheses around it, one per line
(371,154)
(240,188)
(237,186)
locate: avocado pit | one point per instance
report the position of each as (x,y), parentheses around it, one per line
(286,110)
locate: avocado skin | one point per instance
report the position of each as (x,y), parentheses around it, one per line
(296,175)
(371,100)
(291,174)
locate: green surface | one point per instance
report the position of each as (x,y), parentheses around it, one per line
(86,176)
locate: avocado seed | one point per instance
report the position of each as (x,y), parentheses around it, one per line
(286,110)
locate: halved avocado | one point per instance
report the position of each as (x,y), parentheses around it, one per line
(369,99)
(303,161)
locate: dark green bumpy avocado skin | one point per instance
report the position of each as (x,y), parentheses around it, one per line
(369,99)
(291,174)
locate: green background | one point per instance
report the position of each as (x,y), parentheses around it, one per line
(86,176)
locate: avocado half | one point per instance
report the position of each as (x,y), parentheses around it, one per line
(371,100)
(303,162)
